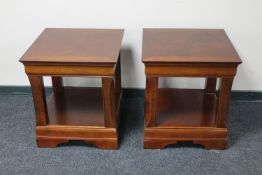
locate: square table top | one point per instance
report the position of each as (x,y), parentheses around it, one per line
(61,45)
(188,46)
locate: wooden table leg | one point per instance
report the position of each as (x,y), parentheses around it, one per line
(109,101)
(211,85)
(58,90)
(223,101)
(151,101)
(39,98)
(57,83)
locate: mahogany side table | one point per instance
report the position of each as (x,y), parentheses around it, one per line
(76,113)
(197,115)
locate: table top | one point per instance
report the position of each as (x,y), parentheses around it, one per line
(188,46)
(58,45)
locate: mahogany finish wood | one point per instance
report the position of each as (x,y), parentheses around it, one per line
(56,45)
(38,91)
(188,46)
(185,108)
(223,102)
(109,102)
(211,84)
(77,107)
(57,83)
(151,101)
(87,114)
(173,115)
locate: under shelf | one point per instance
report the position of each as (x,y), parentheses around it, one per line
(77,107)
(181,108)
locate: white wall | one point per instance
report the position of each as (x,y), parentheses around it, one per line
(21,21)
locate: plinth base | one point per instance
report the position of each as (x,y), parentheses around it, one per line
(210,138)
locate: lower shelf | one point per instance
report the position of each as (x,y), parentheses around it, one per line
(185,115)
(77,114)
(186,108)
(77,107)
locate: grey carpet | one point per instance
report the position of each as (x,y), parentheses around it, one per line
(19,154)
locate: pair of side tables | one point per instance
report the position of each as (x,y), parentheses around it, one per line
(92,114)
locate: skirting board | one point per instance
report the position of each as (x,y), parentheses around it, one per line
(129,92)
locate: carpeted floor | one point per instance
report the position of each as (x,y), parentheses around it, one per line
(19,154)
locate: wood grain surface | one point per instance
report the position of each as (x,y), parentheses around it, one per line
(75,46)
(188,45)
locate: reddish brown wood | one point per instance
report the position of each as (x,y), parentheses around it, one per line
(199,116)
(188,46)
(52,135)
(223,101)
(151,101)
(210,85)
(49,143)
(73,132)
(74,46)
(39,97)
(209,137)
(189,70)
(76,113)
(69,69)
(157,144)
(218,144)
(57,84)
(109,102)
(185,108)
(77,106)
(104,144)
